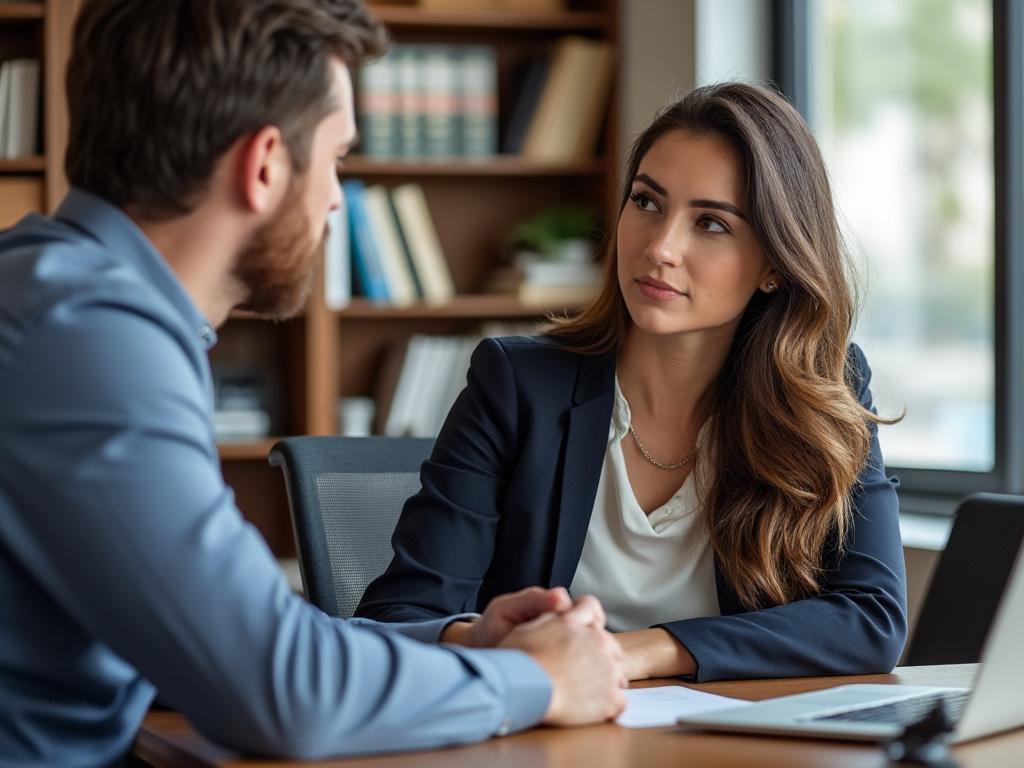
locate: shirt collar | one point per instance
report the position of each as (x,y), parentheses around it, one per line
(621,416)
(111,226)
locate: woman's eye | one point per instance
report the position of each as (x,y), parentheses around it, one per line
(712,225)
(643,201)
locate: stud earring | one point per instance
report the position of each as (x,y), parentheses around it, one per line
(772,286)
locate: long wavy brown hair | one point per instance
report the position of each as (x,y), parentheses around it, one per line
(787,437)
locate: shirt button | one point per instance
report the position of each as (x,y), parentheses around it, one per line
(506,727)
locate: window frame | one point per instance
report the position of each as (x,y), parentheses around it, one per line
(937,491)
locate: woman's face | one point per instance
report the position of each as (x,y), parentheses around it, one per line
(688,259)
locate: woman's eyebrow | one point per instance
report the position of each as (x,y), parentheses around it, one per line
(719,205)
(651,183)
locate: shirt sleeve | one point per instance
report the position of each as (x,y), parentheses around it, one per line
(857,625)
(125,520)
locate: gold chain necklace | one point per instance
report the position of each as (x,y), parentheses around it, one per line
(643,451)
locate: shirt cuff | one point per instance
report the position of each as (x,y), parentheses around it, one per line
(522,683)
(425,631)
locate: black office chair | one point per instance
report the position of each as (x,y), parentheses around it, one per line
(969,581)
(345,495)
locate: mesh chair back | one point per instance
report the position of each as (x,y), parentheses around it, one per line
(969,580)
(345,496)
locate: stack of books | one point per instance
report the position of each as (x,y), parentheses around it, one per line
(19,108)
(241,406)
(556,284)
(419,382)
(433,102)
(387,241)
(432,375)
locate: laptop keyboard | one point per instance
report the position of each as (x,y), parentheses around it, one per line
(906,711)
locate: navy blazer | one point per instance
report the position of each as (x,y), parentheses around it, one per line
(506,501)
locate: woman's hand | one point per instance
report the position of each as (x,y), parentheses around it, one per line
(655,653)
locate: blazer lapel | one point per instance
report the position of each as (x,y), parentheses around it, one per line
(585,445)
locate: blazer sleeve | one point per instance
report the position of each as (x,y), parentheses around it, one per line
(857,625)
(445,537)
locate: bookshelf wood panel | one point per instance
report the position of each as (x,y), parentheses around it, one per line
(22,11)
(35,164)
(60,19)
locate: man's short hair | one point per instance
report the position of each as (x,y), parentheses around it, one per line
(159,91)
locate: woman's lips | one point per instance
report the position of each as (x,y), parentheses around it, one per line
(656,289)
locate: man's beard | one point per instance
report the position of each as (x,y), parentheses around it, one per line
(278,267)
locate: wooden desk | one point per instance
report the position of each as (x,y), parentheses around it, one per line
(166,739)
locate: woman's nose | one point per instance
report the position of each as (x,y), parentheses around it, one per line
(668,246)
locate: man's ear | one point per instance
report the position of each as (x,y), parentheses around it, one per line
(265,168)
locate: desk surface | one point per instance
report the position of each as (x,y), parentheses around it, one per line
(166,739)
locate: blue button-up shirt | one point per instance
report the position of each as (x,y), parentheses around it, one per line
(125,566)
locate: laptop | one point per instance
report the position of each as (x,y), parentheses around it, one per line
(875,713)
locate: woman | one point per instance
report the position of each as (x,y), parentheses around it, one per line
(698,447)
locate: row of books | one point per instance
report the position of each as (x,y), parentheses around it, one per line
(385,240)
(441,102)
(19,108)
(430,101)
(560,109)
(431,372)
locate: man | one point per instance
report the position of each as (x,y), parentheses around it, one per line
(203,145)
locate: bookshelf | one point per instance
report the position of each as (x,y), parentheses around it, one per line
(38,30)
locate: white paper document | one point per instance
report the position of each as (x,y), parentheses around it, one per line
(661,706)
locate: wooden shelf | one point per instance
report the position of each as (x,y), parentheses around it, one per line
(507,165)
(411,18)
(35,164)
(10,11)
(256,450)
(244,314)
(477,306)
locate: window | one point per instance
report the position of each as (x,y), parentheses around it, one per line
(902,108)
(916,106)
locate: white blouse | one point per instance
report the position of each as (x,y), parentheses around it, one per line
(645,570)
